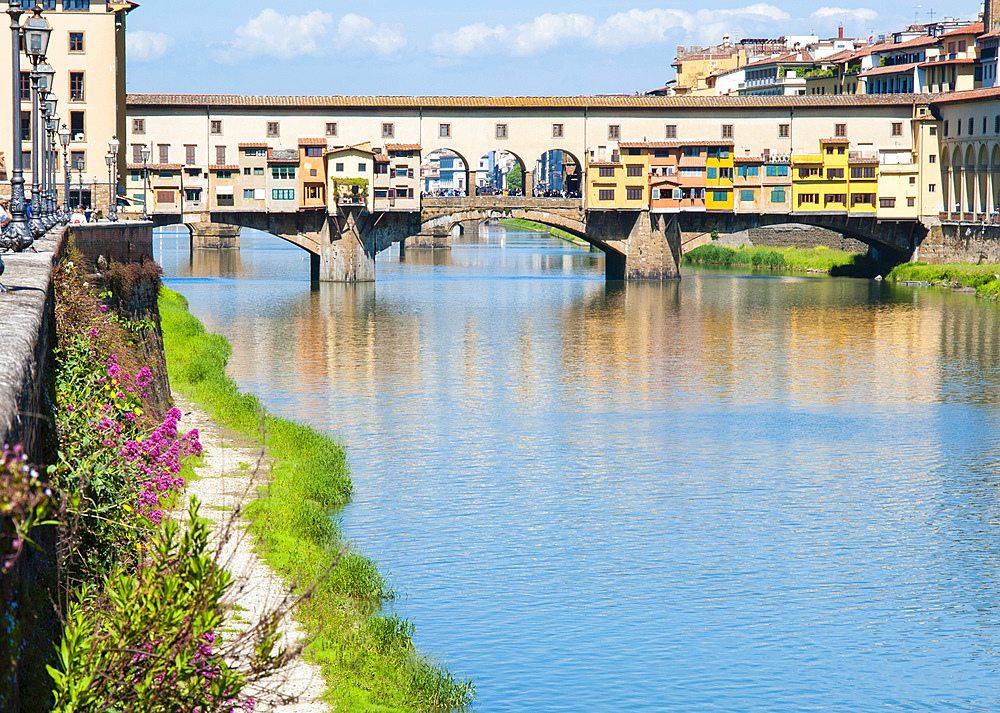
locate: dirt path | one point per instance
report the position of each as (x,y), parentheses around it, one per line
(226,482)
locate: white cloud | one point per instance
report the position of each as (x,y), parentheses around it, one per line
(142,46)
(859,14)
(356,30)
(635,27)
(289,36)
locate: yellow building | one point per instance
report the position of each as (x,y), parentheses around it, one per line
(349,174)
(719,178)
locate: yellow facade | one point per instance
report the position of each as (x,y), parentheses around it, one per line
(834,180)
(719,178)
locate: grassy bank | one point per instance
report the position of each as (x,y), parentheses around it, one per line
(534,227)
(368,659)
(818,259)
(984,278)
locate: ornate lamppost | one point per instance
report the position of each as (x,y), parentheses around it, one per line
(110,159)
(113,170)
(79,178)
(53,167)
(64,137)
(41,81)
(145,180)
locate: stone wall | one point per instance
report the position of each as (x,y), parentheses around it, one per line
(949,242)
(124,241)
(803,236)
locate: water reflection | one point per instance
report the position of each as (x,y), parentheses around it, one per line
(736,492)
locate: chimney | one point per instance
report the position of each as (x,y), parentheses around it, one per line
(840,32)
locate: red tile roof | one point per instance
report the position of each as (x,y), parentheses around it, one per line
(944,62)
(976,28)
(254,145)
(836,140)
(223,167)
(312,142)
(201,101)
(402,147)
(747,159)
(891,69)
(991,93)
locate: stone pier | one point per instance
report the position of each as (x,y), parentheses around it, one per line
(214,235)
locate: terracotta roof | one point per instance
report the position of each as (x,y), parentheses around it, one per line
(605,163)
(402,147)
(747,159)
(312,142)
(945,62)
(976,28)
(839,56)
(382,157)
(254,145)
(787,58)
(200,101)
(836,140)
(357,147)
(223,167)
(157,166)
(994,33)
(891,69)
(906,44)
(991,93)
(863,159)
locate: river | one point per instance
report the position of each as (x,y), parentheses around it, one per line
(733,493)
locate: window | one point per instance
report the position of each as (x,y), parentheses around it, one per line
(247,171)
(76,90)
(220,155)
(331,128)
(633,169)
(248,194)
(606,194)
(897,128)
(606,171)
(273,129)
(931,187)
(164,196)
(633,194)
(808,198)
(692,151)
(444,131)
(984,124)
(164,151)
(279,173)
(972,127)
(614,132)
(314,192)
(932,158)
(945,127)
(25,127)
(933,131)
(81,6)
(189,154)
(191,194)
(362,167)
(783,130)
(135,175)
(77,120)
(25,86)
(778,195)
(692,172)
(713,172)
(501,131)
(840,130)
(913,180)
(137,153)
(829,150)
(886,202)
(777,171)
(834,173)
(78,160)
(834,198)
(746,195)
(720,196)
(339,168)
(401,172)
(223,174)
(671,131)
(726,172)
(258,172)
(314,151)
(216,126)
(388,131)
(910,202)
(76,42)
(727,131)
(138,126)
(282,194)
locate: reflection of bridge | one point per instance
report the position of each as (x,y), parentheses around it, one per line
(639,244)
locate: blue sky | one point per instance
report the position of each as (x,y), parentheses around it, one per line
(461,47)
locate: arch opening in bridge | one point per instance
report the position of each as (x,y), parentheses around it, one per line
(502,172)
(983,179)
(946,180)
(995,180)
(445,172)
(558,174)
(970,180)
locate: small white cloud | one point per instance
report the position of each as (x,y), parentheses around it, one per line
(280,36)
(535,37)
(360,31)
(142,46)
(859,14)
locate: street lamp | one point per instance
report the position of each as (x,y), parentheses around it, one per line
(110,158)
(50,177)
(64,137)
(79,178)
(113,168)
(41,81)
(145,180)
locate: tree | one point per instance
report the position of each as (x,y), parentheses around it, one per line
(515,178)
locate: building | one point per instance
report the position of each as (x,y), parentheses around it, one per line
(349,171)
(87,51)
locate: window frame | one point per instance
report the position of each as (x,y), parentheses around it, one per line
(83,42)
(273,129)
(388,130)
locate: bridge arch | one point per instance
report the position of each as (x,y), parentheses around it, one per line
(946,180)
(995,179)
(432,162)
(983,179)
(554,174)
(970,180)
(497,155)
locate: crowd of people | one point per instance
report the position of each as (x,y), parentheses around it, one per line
(77,216)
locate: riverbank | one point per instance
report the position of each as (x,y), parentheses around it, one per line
(819,260)
(367,658)
(984,279)
(532,226)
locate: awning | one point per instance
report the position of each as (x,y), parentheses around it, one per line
(223,190)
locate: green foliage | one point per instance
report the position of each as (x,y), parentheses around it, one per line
(985,278)
(532,226)
(818,259)
(369,664)
(515,178)
(145,640)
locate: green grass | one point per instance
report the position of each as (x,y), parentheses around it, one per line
(368,659)
(534,227)
(818,259)
(984,278)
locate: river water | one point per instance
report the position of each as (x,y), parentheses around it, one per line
(732,493)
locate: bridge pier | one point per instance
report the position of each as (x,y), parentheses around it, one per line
(347,248)
(214,235)
(638,245)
